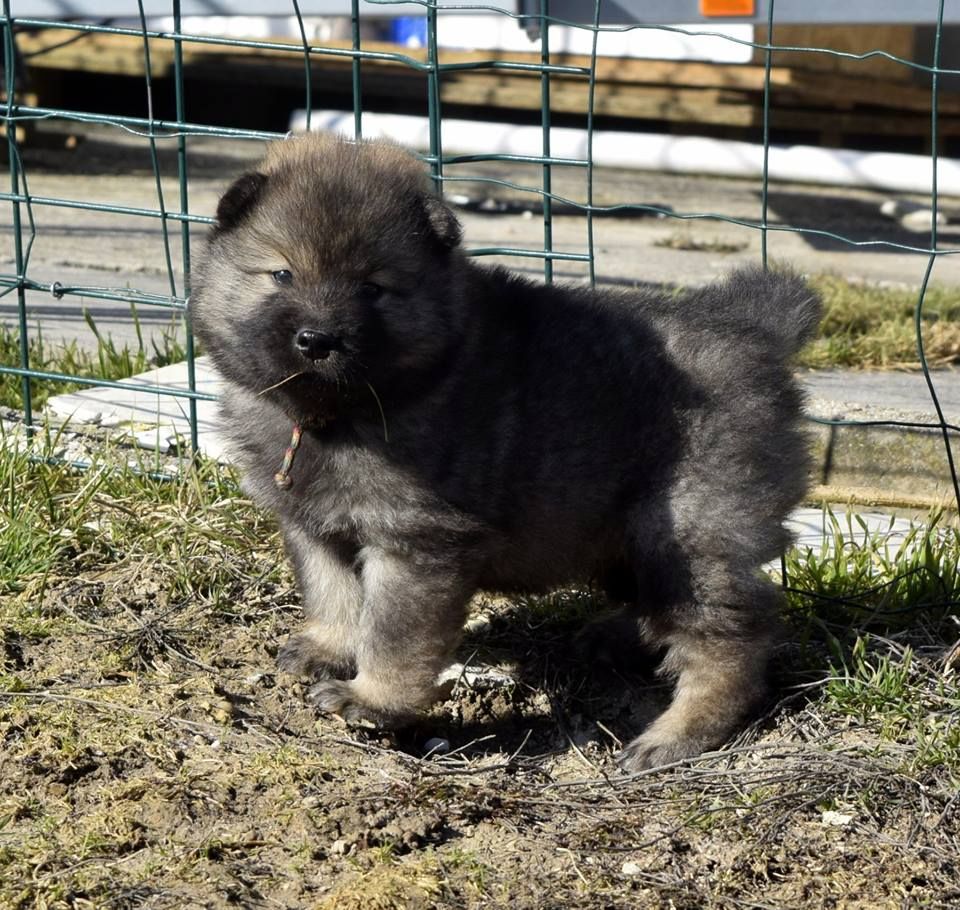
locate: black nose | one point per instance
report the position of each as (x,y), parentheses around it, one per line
(316,345)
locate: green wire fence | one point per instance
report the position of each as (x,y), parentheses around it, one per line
(176,219)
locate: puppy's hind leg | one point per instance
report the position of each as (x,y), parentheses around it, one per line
(718,644)
(613,638)
(329,584)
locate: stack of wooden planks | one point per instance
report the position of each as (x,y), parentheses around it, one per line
(831,105)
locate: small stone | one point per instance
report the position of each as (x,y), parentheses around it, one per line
(630,867)
(836,819)
(914,216)
(921,220)
(310,802)
(339,848)
(477,624)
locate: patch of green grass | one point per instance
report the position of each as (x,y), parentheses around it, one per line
(876,579)
(31,534)
(564,606)
(868,326)
(885,609)
(869,683)
(196,530)
(899,699)
(107,360)
(468,865)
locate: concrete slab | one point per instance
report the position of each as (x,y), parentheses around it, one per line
(830,393)
(813,529)
(882,464)
(151,420)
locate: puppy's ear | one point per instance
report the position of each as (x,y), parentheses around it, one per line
(444,223)
(239,199)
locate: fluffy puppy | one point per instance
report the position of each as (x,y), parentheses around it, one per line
(466,428)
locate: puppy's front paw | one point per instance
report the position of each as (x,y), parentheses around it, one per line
(335,696)
(653,749)
(366,699)
(340,697)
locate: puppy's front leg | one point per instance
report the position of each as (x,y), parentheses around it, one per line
(328,577)
(414,606)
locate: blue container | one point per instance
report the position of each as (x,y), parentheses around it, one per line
(410,31)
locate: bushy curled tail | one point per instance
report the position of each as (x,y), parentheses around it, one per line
(780,304)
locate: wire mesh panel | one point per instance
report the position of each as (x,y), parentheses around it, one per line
(567,102)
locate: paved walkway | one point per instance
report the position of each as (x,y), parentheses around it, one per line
(887,395)
(81,248)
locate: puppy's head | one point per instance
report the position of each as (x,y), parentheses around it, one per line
(328,268)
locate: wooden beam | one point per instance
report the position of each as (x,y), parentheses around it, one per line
(715,94)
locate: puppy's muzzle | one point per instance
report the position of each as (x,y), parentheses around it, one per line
(316,345)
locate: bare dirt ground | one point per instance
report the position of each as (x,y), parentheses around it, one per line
(152,757)
(181,785)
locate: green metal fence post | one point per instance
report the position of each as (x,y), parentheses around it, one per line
(10,67)
(185,226)
(154,158)
(307,75)
(356,84)
(433,97)
(591,95)
(767,67)
(547,182)
(934,207)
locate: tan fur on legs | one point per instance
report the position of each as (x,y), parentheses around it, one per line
(719,683)
(399,660)
(332,602)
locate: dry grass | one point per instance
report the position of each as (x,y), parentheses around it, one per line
(869,327)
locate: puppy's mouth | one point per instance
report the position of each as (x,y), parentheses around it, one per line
(292,378)
(322,372)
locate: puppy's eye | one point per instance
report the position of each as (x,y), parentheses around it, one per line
(283,277)
(370,291)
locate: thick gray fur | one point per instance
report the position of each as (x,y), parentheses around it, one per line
(466,428)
